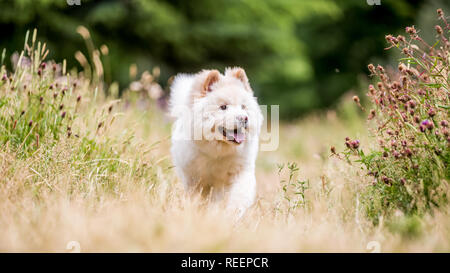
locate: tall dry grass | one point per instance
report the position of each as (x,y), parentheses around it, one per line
(111,187)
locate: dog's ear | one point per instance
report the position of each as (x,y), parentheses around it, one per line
(210,78)
(239,73)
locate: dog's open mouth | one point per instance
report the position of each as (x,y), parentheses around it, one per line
(233,135)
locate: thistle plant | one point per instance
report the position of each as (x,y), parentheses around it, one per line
(409,118)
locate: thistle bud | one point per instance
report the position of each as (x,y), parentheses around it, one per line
(406,51)
(401,67)
(333,150)
(411,30)
(428,124)
(389,37)
(408,152)
(372,90)
(404,82)
(396,154)
(372,114)
(394,143)
(422,128)
(404,117)
(355,144)
(416,119)
(348,144)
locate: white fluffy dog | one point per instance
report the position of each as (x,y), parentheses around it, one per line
(215,137)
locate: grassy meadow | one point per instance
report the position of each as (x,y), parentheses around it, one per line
(87,170)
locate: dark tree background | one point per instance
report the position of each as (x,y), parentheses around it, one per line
(302,55)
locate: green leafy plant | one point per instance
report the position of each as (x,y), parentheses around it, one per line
(409,119)
(293,190)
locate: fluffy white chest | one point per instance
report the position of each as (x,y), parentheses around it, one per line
(216,171)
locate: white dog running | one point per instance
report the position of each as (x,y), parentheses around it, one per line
(215,136)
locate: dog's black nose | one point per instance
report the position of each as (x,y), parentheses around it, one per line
(243,119)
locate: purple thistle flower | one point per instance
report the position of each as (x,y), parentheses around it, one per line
(355,144)
(428,124)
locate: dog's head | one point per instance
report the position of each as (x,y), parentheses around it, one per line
(225,107)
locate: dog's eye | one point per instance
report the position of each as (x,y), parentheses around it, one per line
(223,107)
(243,106)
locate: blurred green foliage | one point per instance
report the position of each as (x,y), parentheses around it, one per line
(301,55)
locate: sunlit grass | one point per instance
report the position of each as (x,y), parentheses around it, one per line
(108,182)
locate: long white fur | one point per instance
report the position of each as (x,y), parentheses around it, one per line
(179,93)
(227,170)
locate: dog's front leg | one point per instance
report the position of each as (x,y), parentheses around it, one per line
(242,192)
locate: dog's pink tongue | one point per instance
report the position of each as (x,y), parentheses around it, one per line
(239,137)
